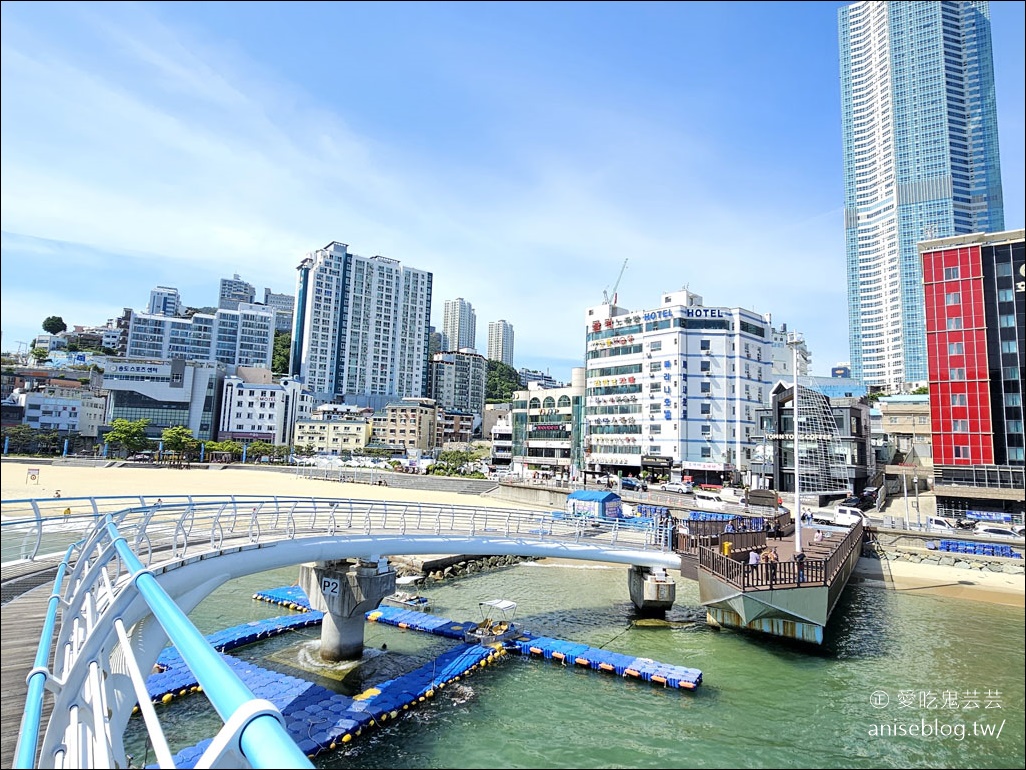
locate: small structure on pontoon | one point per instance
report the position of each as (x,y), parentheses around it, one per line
(496,625)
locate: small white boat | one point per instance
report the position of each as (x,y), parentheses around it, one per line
(408,601)
(492,629)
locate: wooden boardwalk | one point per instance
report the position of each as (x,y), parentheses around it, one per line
(21,622)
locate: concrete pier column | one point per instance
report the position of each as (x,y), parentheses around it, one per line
(652,592)
(344,590)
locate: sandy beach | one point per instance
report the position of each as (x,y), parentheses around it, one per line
(72,481)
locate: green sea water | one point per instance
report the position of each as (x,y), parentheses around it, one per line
(903,680)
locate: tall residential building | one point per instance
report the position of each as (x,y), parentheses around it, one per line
(361,325)
(500,342)
(919,119)
(975,319)
(459,325)
(674,389)
(284,305)
(457,380)
(164,300)
(233,291)
(242,337)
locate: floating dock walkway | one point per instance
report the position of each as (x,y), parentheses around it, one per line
(321,720)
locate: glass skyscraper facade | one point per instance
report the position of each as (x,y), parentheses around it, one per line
(921,161)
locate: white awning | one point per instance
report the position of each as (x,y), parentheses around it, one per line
(505,605)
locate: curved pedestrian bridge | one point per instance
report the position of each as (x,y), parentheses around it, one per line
(129,570)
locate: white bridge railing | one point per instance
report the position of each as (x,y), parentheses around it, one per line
(100,631)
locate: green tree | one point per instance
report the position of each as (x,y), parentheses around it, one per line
(129,434)
(40,354)
(501,382)
(281,354)
(258,449)
(179,440)
(54,325)
(923,390)
(20,438)
(49,442)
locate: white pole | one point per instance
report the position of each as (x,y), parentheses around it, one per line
(797,513)
(904,487)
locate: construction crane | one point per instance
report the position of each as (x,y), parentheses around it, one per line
(605,294)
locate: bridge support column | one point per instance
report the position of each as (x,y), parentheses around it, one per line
(344,590)
(652,592)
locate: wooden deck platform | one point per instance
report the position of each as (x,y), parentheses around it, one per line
(21,622)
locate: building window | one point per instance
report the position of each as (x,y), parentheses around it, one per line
(954,323)
(956,348)
(706,387)
(959,426)
(1013,399)
(1015,453)
(956,375)
(961,453)
(656,345)
(954,298)
(704,345)
(1009,373)
(1008,346)
(950,273)
(655,429)
(1005,295)
(1006,321)
(1013,426)
(705,366)
(706,451)
(1004,269)
(706,408)
(959,399)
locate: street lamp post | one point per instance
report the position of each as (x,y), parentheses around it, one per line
(915,485)
(793,341)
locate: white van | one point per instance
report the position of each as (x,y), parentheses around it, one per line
(842,516)
(941,524)
(708,501)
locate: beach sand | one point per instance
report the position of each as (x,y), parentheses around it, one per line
(73,481)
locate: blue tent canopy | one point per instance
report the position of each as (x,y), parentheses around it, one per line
(593,495)
(589,502)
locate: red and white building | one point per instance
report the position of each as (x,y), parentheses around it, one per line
(975,297)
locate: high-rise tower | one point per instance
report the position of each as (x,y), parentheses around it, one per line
(361,325)
(920,161)
(500,342)
(459,325)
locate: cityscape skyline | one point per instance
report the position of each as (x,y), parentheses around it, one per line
(528,178)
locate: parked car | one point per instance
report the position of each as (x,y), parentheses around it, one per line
(941,524)
(992,530)
(680,487)
(631,484)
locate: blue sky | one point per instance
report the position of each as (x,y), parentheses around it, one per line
(520,152)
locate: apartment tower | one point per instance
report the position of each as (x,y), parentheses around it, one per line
(361,325)
(500,342)
(919,121)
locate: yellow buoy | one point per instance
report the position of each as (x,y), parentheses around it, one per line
(346,738)
(393,714)
(167,698)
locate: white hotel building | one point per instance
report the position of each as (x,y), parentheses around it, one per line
(674,389)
